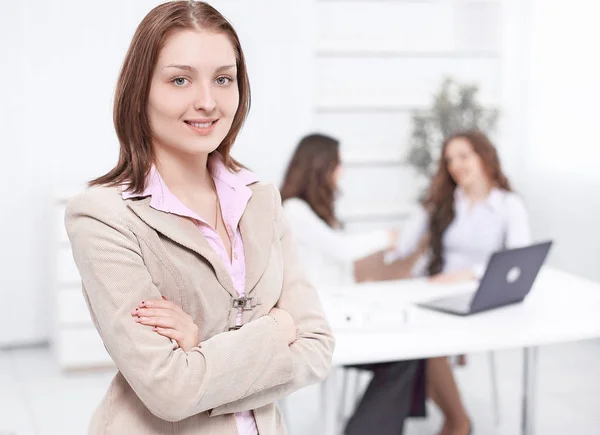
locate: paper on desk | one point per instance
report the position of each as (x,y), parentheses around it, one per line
(359,312)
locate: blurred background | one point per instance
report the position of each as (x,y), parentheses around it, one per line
(360,70)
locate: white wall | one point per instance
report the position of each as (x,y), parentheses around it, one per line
(377,62)
(562,157)
(61,60)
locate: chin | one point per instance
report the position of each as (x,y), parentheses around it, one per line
(465,181)
(202,147)
(460,181)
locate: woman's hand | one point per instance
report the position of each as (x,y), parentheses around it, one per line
(452,278)
(168,320)
(286,323)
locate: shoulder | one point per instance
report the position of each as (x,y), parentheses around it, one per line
(298,208)
(295,204)
(265,193)
(97,198)
(289,206)
(262,187)
(418,214)
(420,211)
(98,203)
(513,200)
(514,206)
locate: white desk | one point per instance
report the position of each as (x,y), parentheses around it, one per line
(560,308)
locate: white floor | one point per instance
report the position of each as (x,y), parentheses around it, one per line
(37,399)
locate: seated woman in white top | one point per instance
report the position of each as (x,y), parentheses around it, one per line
(309,191)
(469,213)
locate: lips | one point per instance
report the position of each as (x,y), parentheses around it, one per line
(201,124)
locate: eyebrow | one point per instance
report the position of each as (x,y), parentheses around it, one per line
(193,69)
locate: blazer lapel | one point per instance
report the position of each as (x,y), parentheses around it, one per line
(185,233)
(257,227)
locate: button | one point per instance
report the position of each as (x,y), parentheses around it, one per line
(235,255)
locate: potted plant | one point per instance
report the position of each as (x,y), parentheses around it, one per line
(455,108)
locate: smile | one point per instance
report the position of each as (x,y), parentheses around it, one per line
(202,127)
(201,124)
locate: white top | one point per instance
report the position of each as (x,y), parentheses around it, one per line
(477,231)
(328,254)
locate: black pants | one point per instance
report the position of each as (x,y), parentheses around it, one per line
(386,402)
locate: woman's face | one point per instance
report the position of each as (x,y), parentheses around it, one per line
(193,93)
(336,175)
(464,164)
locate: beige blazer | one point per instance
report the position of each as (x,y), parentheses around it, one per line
(127,252)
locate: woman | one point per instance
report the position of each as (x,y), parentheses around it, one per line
(469,213)
(186,260)
(309,191)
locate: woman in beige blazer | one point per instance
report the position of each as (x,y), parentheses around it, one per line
(203,344)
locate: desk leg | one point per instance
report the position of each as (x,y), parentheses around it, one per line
(329,404)
(529,390)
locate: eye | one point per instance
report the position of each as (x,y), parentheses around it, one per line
(223,80)
(179,81)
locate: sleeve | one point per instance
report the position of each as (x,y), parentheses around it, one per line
(312,351)
(517,233)
(410,236)
(174,384)
(309,229)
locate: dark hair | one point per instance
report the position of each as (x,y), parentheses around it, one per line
(309,175)
(130,115)
(439,201)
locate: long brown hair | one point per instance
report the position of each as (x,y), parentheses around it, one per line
(309,175)
(439,201)
(130,115)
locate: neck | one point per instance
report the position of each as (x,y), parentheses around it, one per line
(477,191)
(186,177)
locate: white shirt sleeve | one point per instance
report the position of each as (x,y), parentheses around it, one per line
(518,233)
(410,236)
(310,230)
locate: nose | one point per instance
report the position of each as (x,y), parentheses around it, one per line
(205,100)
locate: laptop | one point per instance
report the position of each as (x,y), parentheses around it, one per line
(507,280)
